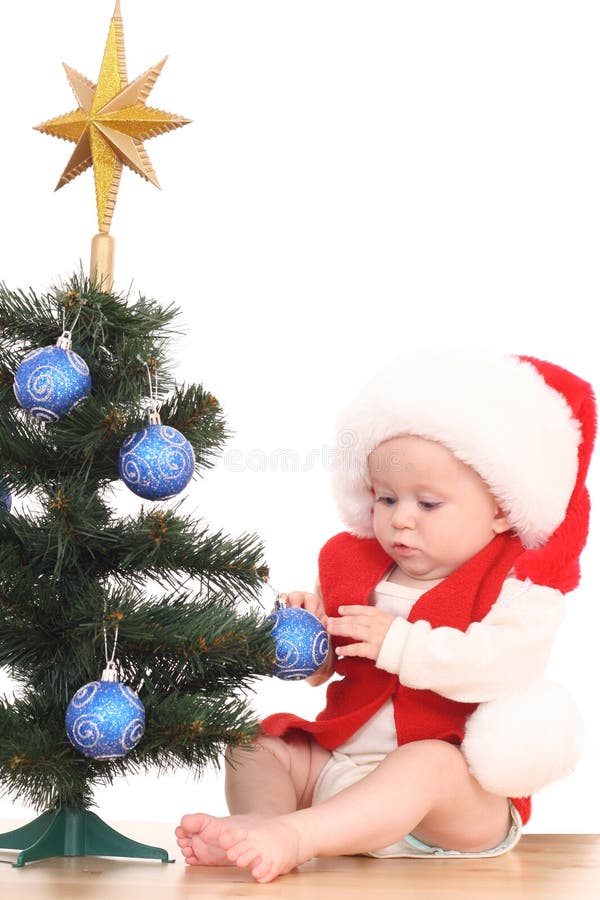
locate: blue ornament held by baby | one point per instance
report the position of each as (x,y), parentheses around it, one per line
(51,381)
(301,642)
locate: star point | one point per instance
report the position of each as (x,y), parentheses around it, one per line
(111,123)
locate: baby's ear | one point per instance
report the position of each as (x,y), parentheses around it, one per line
(500,522)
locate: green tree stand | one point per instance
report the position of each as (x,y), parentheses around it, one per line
(73,832)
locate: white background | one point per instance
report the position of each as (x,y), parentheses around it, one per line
(359,177)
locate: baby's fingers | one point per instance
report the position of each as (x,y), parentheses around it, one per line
(310,602)
(369,611)
(348,626)
(361,649)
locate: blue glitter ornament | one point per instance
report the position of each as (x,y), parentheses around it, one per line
(301,642)
(157,462)
(5,499)
(52,381)
(105,719)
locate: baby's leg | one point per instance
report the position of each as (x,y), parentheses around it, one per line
(423,787)
(274,777)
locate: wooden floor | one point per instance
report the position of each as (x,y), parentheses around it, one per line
(552,867)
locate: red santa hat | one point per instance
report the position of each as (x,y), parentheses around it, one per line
(526,426)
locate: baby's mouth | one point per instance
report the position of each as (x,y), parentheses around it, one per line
(404,549)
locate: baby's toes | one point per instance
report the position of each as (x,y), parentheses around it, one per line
(246,855)
(263,870)
(231,837)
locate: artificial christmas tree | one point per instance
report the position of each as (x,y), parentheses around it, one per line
(155,600)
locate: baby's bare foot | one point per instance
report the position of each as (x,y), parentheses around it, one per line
(270,848)
(198,837)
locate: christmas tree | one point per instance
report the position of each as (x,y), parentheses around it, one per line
(154,600)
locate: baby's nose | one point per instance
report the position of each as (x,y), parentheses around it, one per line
(403,516)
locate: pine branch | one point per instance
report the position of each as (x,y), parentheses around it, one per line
(93,434)
(107,321)
(70,538)
(192,731)
(189,645)
(37,763)
(193,645)
(39,766)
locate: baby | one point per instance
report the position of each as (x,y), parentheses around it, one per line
(462,484)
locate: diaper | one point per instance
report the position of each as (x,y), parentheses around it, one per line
(342,772)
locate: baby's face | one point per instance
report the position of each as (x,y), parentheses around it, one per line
(431,511)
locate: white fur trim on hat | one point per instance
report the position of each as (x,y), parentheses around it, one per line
(517,745)
(495,413)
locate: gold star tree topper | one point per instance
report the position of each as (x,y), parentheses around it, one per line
(110,125)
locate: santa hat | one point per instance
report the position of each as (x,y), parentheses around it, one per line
(524,425)
(527,427)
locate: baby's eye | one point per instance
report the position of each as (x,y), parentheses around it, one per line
(429,504)
(386,501)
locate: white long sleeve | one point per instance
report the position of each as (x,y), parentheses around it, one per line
(504,653)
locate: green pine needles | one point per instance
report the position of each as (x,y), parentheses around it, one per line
(70,566)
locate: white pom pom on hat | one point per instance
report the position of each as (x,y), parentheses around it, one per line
(496,413)
(517,745)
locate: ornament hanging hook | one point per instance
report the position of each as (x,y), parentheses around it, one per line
(65,340)
(280,600)
(110,670)
(110,661)
(153,414)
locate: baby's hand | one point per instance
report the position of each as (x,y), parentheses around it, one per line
(310,602)
(365,625)
(313,604)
